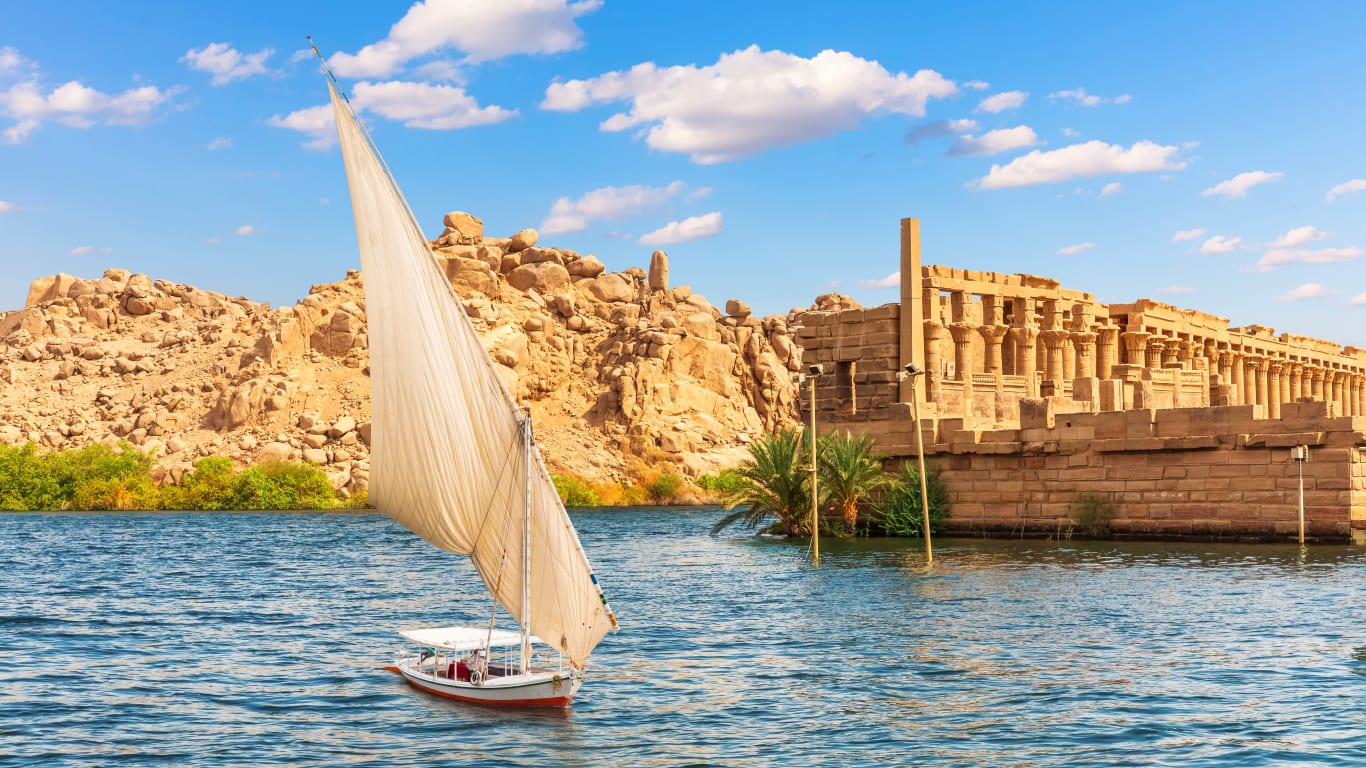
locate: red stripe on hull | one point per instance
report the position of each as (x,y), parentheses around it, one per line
(558,701)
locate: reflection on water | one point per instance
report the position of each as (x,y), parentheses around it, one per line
(247,639)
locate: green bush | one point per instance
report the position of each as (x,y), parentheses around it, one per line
(574,491)
(283,485)
(1093,512)
(900,512)
(663,487)
(723,482)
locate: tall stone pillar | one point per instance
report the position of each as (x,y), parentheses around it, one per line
(1287,373)
(1335,382)
(1251,364)
(1186,355)
(1316,383)
(913,309)
(1069,358)
(1106,338)
(1225,367)
(1085,344)
(1026,339)
(992,336)
(1273,375)
(1296,381)
(1356,395)
(1135,346)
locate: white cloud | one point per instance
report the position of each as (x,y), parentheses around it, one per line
(939,129)
(85,250)
(1357,300)
(750,100)
(226,63)
(1111,189)
(422,105)
(1221,244)
(1183,235)
(12,64)
(698,194)
(1071,134)
(317,122)
(1092,158)
(1277,257)
(1240,184)
(1081,98)
(6,207)
(222,142)
(76,105)
(214,239)
(481,29)
(994,142)
(1307,291)
(890,281)
(977,85)
(693,228)
(246,230)
(1299,236)
(1176,289)
(1073,250)
(611,203)
(1345,188)
(1000,102)
(442,69)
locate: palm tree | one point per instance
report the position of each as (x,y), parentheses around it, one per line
(775,484)
(849,471)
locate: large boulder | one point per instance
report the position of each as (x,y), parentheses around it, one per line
(544,276)
(588,266)
(612,287)
(461,229)
(522,240)
(659,271)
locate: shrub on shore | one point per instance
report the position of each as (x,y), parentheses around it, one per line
(100,477)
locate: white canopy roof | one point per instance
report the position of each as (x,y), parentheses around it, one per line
(464,638)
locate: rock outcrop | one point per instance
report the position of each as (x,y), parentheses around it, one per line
(615,365)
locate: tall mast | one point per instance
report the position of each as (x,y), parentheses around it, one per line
(526,543)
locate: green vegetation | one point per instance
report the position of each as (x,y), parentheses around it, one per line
(1093,512)
(725,481)
(849,471)
(100,477)
(775,483)
(900,512)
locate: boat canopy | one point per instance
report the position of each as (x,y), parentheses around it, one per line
(464,638)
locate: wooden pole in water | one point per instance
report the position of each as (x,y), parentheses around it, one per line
(1300,454)
(815,372)
(911,372)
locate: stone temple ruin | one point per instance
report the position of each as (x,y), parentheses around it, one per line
(1035,395)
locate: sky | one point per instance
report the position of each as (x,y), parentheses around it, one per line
(1209,155)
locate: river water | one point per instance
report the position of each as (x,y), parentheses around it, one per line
(257,639)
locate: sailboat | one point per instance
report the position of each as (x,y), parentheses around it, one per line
(453,459)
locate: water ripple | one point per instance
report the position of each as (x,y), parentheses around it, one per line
(253,639)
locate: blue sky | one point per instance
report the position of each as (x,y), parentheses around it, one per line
(1210,155)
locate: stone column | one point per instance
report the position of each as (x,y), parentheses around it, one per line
(1356,395)
(1287,373)
(992,336)
(1335,384)
(1273,372)
(1250,365)
(1296,377)
(1186,355)
(1239,395)
(1053,341)
(1316,383)
(1135,346)
(962,349)
(1069,359)
(1107,336)
(1026,338)
(1225,367)
(1155,346)
(1171,352)
(1086,354)
(934,359)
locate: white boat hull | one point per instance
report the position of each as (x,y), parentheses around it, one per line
(537,688)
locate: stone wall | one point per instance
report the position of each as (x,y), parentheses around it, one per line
(1014,464)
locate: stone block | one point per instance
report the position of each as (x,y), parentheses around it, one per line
(1036,413)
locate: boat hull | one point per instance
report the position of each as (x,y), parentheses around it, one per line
(534,689)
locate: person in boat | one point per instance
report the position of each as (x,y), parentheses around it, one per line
(473,667)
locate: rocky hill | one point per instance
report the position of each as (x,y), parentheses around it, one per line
(622,370)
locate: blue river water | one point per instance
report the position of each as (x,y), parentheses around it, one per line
(258,639)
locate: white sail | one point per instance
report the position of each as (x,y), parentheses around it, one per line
(446,447)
